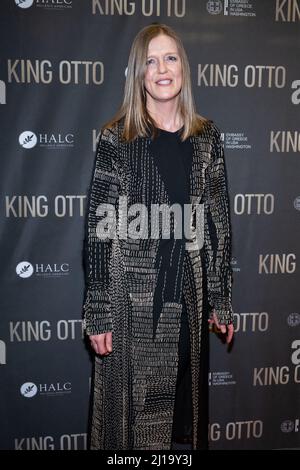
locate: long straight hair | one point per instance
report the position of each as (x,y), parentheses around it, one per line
(133,111)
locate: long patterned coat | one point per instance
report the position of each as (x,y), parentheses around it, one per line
(135,385)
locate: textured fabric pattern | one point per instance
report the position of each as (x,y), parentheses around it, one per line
(134,386)
(173,159)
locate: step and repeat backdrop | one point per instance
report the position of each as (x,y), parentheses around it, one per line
(62,74)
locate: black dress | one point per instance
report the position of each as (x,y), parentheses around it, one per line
(174,159)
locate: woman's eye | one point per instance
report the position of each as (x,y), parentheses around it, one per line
(169,58)
(172,58)
(149,61)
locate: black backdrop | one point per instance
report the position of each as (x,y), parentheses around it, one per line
(62,72)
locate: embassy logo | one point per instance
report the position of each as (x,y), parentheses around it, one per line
(2,352)
(293,319)
(29,139)
(25,269)
(47,4)
(30,389)
(230,7)
(221,378)
(297,203)
(235,141)
(24,3)
(235,265)
(2,92)
(289,425)
(214,7)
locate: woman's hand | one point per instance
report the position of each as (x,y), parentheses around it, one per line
(102,344)
(225,329)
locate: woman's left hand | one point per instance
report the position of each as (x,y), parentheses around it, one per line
(228,330)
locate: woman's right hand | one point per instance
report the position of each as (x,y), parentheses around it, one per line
(102,344)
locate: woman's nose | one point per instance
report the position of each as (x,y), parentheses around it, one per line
(161,66)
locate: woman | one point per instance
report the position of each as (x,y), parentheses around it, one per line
(146,294)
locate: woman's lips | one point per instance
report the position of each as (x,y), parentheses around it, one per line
(164,82)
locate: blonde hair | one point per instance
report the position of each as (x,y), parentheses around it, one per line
(137,121)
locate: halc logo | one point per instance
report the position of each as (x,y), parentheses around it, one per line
(24,3)
(27,139)
(28,389)
(24,269)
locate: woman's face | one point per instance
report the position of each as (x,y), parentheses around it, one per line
(163,76)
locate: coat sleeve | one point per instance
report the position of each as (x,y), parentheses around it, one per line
(104,189)
(217,233)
